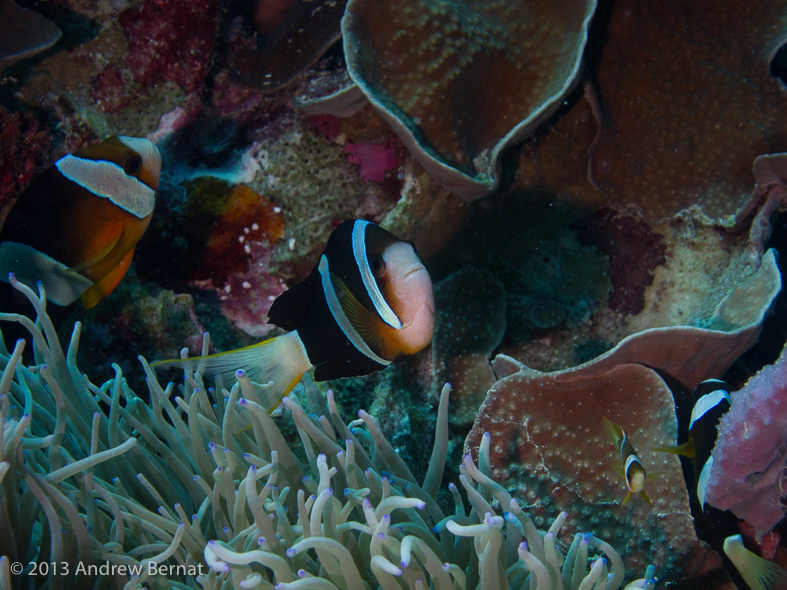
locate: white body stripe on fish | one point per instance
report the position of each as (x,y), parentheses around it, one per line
(361,259)
(706,403)
(702,481)
(341,318)
(110,181)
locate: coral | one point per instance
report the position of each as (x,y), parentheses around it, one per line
(471,307)
(750,459)
(327,125)
(119,492)
(460,81)
(705,283)
(170,41)
(289,37)
(108,90)
(23,33)
(634,252)
(226,237)
(704,110)
(25,144)
(690,354)
(374,159)
(550,446)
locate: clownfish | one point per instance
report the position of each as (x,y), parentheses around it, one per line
(632,470)
(368,302)
(77,224)
(711,401)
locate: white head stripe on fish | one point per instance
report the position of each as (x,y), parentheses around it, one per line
(630,460)
(361,259)
(706,403)
(110,181)
(340,317)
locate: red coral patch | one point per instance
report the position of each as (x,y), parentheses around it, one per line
(170,40)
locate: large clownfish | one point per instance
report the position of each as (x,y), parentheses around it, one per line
(368,302)
(77,224)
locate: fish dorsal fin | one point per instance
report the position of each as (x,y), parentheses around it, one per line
(359,317)
(99,256)
(290,309)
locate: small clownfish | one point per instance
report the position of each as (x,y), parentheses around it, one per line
(632,470)
(711,401)
(368,302)
(77,224)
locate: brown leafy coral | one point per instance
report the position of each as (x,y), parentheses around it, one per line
(687,103)
(460,81)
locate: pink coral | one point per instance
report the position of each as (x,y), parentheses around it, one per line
(375,159)
(748,475)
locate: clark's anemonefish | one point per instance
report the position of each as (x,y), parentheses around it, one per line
(368,302)
(631,467)
(77,224)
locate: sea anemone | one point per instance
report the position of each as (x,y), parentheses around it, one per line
(102,488)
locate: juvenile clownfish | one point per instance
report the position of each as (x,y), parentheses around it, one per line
(632,470)
(711,401)
(368,302)
(77,224)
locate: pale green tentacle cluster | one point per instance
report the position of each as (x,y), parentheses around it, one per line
(167,492)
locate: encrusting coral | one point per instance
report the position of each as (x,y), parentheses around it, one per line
(119,492)
(748,475)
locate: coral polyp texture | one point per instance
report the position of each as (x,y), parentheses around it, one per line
(704,110)
(124,493)
(461,81)
(548,443)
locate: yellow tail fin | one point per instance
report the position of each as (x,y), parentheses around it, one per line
(279,362)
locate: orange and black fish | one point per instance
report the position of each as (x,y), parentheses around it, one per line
(77,224)
(368,302)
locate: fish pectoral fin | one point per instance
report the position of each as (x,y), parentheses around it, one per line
(99,256)
(360,318)
(614,431)
(617,467)
(291,307)
(106,284)
(686,449)
(626,499)
(646,498)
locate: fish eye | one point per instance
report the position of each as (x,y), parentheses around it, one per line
(133,164)
(377,264)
